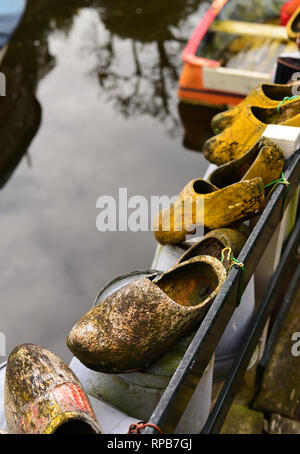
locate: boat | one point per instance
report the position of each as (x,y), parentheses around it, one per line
(226,58)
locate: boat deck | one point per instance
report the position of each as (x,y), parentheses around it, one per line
(244,52)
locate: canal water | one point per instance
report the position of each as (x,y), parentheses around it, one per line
(91,107)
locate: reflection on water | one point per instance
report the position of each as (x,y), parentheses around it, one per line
(196,121)
(91,102)
(147,85)
(19,121)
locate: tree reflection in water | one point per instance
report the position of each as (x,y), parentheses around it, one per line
(154,32)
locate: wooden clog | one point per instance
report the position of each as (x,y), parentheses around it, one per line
(214,242)
(43,396)
(247,129)
(139,323)
(265,95)
(201,203)
(265,160)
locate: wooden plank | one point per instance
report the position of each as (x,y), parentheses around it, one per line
(249,28)
(231,80)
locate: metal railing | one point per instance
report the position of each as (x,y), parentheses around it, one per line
(184,381)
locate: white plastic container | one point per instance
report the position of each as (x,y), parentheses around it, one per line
(139,393)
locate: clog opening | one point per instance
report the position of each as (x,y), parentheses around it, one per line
(191,284)
(276,93)
(75,426)
(271,116)
(209,246)
(231,174)
(202,187)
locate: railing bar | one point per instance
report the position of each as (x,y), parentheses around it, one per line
(212,327)
(227,394)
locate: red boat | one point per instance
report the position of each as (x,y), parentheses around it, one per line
(225,59)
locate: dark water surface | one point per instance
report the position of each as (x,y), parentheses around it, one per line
(91,88)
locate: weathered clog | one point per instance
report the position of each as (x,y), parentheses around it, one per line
(265,95)
(209,206)
(265,160)
(139,323)
(247,129)
(293,25)
(43,396)
(214,242)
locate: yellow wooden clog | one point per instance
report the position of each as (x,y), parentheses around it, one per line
(43,396)
(247,129)
(265,160)
(265,95)
(139,323)
(201,203)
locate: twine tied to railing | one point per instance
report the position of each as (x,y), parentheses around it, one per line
(287,98)
(235,262)
(136,427)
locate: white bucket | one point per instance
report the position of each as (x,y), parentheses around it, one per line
(139,393)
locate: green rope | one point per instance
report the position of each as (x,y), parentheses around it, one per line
(222,253)
(281,180)
(235,262)
(287,98)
